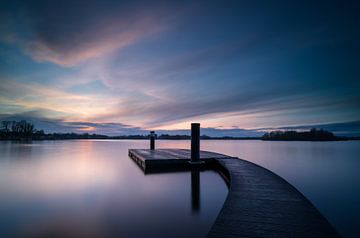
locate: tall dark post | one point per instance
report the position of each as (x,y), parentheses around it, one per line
(195,142)
(152,140)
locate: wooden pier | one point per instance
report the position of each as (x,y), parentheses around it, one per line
(259,202)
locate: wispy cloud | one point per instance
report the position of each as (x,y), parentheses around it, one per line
(166,64)
(84,31)
(33,96)
(56,125)
(89,47)
(48,124)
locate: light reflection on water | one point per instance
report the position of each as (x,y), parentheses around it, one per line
(92,189)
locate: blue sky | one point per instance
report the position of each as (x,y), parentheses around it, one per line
(140,65)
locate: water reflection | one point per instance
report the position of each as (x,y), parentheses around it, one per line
(92,189)
(195,190)
(320,170)
(95,186)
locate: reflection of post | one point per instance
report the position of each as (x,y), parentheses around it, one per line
(195,190)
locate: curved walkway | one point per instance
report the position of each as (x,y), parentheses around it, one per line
(262,204)
(259,202)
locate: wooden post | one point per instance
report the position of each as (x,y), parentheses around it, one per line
(195,142)
(152,140)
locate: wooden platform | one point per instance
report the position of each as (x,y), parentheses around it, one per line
(259,202)
(167,160)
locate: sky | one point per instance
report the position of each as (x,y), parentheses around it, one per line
(125,67)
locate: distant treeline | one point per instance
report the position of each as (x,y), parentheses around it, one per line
(22,130)
(312,135)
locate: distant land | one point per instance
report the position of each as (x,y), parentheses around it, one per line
(22,130)
(312,135)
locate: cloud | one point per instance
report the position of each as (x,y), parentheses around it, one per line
(264,104)
(239,65)
(55,125)
(57,102)
(83,31)
(41,122)
(92,45)
(31,95)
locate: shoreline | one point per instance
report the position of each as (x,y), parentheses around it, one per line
(147,138)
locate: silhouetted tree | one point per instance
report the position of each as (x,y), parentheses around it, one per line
(5,126)
(17,130)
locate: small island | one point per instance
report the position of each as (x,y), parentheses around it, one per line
(312,135)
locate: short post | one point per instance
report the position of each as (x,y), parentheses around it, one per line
(195,142)
(152,140)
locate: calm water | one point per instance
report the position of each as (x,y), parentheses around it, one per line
(328,173)
(92,187)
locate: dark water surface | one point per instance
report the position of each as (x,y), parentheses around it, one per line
(92,189)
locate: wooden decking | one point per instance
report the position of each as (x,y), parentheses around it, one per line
(165,160)
(259,203)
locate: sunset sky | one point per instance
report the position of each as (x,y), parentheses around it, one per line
(124,67)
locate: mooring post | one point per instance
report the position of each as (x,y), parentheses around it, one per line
(195,142)
(152,140)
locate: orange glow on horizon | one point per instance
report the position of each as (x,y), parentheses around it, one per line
(89,128)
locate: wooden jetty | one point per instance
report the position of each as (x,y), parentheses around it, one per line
(259,202)
(168,160)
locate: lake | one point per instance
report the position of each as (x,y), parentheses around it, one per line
(91,188)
